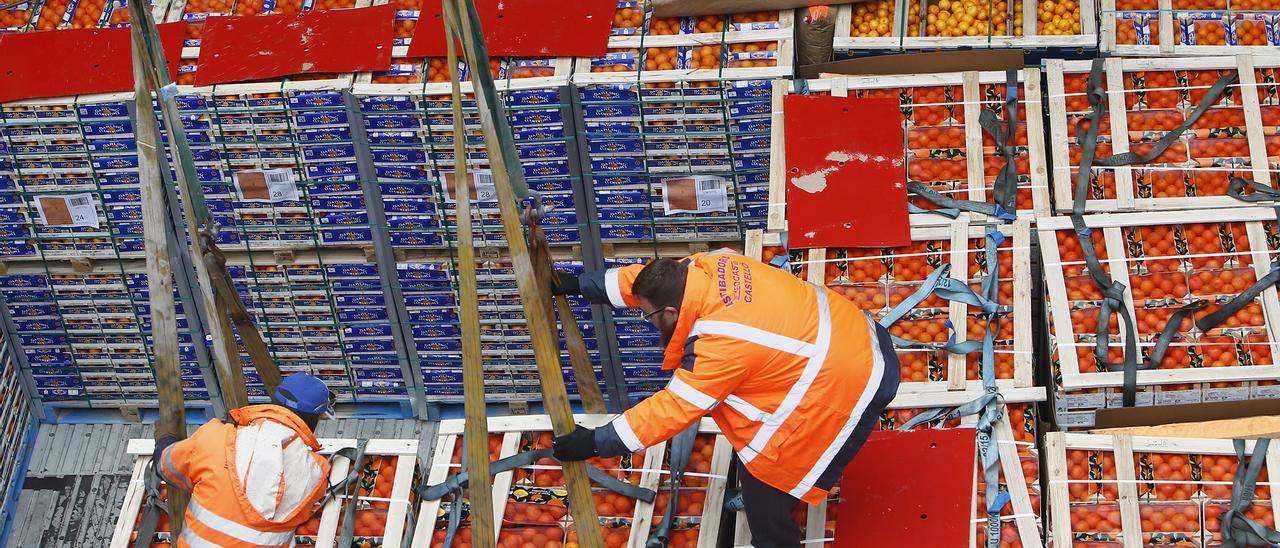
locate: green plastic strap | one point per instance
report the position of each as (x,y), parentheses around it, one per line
(165,92)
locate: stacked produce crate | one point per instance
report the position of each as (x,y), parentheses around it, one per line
(1182,27)
(677,101)
(914,24)
(1207,255)
(17,424)
(945,149)
(530,502)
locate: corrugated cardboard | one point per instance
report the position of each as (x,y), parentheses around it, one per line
(1252,427)
(920,63)
(1157,415)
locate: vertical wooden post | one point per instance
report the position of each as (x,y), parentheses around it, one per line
(226,355)
(536,299)
(155,226)
(476,431)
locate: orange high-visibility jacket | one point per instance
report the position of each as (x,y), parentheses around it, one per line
(794,375)
(251,483)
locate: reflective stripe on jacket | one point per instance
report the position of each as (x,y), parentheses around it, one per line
(252,483)
(795,375)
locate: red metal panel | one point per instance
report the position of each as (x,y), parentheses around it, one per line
(918,484)
(525,28)
(846,172)
(74,62)
(240,49)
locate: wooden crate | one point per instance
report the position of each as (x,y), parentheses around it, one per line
(1124,486)
(1192,174)
(398,505)
(1245,247)
(948,105)
(864,277)
(895,22)
(517,433)
(1166,27)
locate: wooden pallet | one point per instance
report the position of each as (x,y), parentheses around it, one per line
(971,100)
(399,511)
(1122,489)
(1117,251)
(1119,74)
(1087,36)
(514,429)
(1166,19)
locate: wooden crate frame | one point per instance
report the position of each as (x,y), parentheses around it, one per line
(582,74)
(959,232)
(1111,225)
(398,514)
(513,427)
(1167,46)
(845,41)
(975,174)
(1114,70)
(363,84)
(1123,447)
(785,30)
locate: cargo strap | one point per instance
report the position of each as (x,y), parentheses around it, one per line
(1005,188)
(1238,530)
(989,407)
(1113,291)
(345,487)
(228,299)
(1259,192)
(941,283)
(454,485)
(680,448)
(152,507)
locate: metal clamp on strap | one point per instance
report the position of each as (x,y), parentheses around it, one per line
(1260,192)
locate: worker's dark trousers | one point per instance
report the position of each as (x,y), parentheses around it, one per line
(768,513)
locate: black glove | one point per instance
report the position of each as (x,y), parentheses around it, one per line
(577,445)
(565,284)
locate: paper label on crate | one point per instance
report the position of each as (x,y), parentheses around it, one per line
(1177,397)
(696,194)
(75,210)
(269,185)
(757,25)
(1226,394)
(481,186)
(743,55)
(1141,399)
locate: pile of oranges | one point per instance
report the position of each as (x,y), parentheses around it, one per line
(15,18)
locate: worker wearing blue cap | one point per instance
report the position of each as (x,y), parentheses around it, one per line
(255,477)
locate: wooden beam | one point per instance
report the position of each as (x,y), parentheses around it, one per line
(476,436)
(155,231)
(536,299)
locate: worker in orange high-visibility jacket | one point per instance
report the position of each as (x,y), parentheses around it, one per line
(795,376)
(254,479)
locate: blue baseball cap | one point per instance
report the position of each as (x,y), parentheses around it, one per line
(305,393)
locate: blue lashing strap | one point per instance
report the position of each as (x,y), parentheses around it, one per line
(680,448)
(1238,530)
(989,406)
(453,486)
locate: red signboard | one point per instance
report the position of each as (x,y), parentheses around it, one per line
(241,49)
(916,484)
(525,28)
(74,62)
(846,175)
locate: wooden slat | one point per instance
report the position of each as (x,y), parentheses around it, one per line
(1023,347)
(1038,166)
(1167,34)
(713,503)
(777,220)
(1117,111)
(957,311)
(973,150)
(502,482)
(1254,131)
(1061,175)
(1130,521)
(127,520)
(476,440)
(651,478)
(437,471)
(1055,461)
